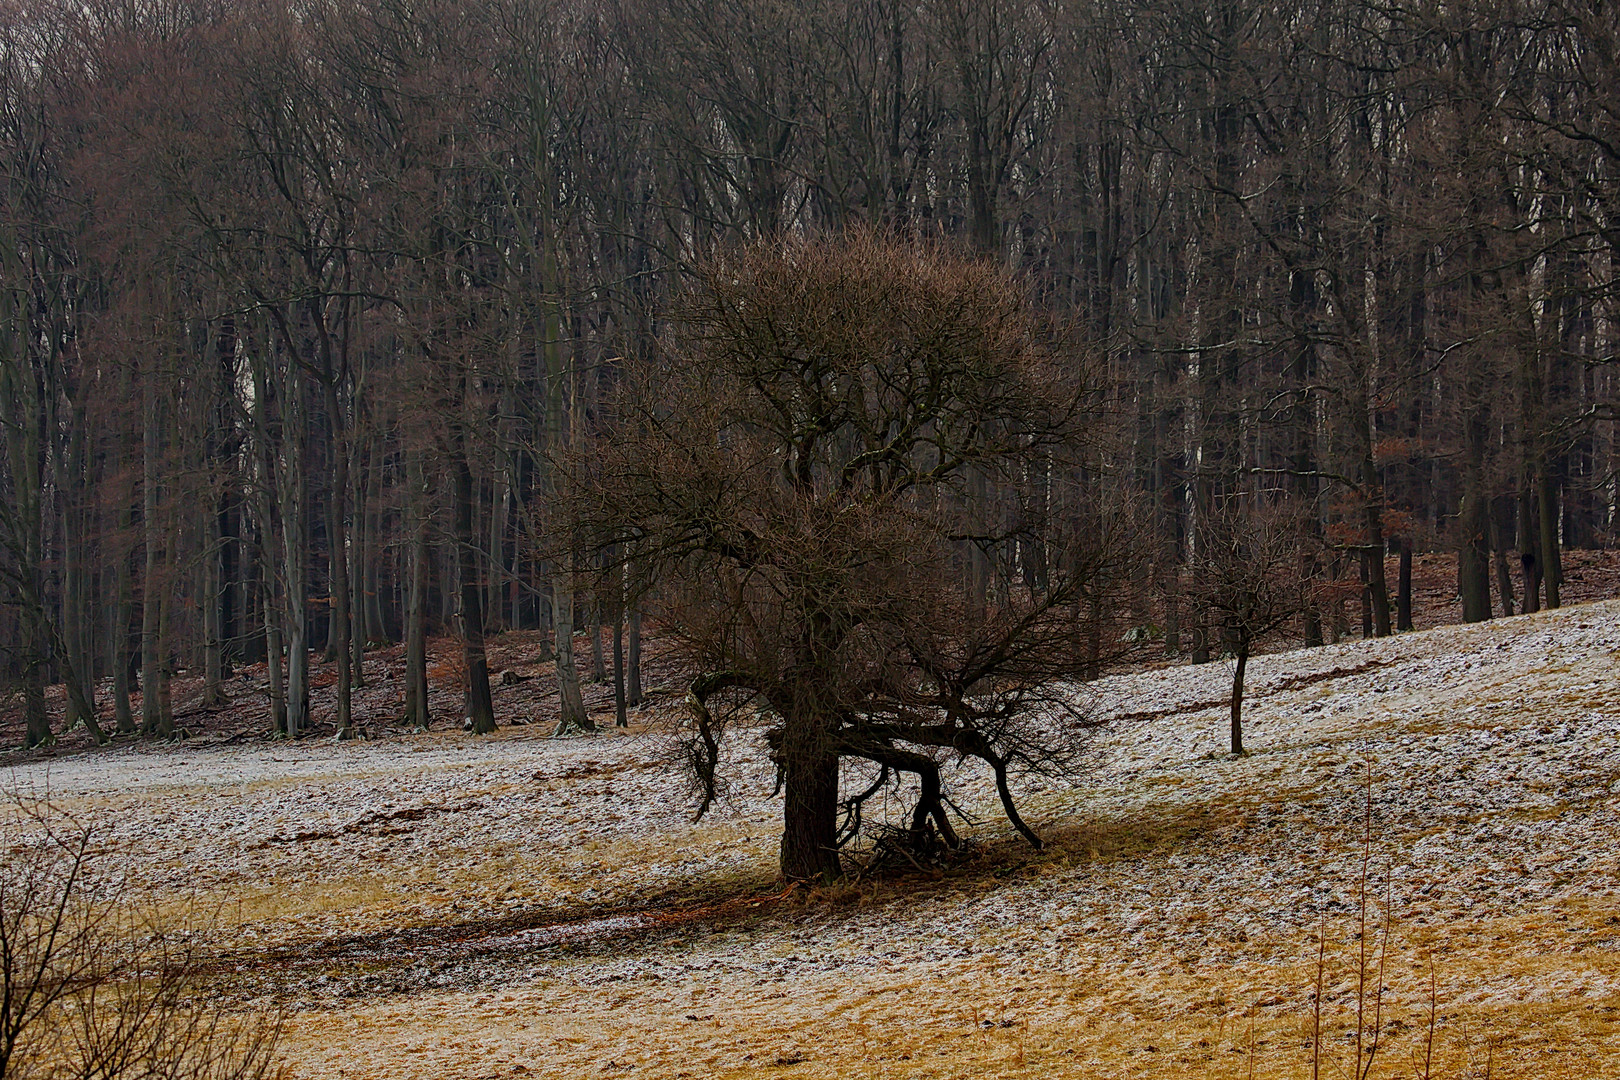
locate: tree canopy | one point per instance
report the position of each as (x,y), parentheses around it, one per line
(802,467)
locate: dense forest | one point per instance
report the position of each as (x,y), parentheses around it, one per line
(312,315)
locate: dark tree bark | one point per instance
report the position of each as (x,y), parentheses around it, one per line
(1237,698)
(810,816)
(633,691)
(480,705)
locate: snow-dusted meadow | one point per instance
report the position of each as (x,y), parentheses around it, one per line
(443,906)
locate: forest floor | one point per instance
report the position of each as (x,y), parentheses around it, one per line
(439,905)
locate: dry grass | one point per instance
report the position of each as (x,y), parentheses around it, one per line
(1168,930)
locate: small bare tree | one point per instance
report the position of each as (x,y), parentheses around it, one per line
(1246,577)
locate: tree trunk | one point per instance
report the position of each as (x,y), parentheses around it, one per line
(633,692)
(153,586)
(1473,558)
(1237,699)
(37,729)
(295,601)
(480,706)
(598,663)
(620,719)
(272,664)
(1366,595)
(1552,566)
(337,539)
(571,702)
(118,650)
(1501,519)
(1403,596)
(213,593)
(376,622)
(416,689)
(1530,547)
(1377,583)
(810,817)
(1312,612)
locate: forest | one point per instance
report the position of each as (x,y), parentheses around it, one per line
(320,322)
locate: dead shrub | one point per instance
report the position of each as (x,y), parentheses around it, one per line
(90,988)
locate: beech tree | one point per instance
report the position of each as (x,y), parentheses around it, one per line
(795,470)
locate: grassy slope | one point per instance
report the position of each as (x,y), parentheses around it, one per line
(569,921)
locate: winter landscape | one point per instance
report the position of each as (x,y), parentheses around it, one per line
(434,905)
(809,538)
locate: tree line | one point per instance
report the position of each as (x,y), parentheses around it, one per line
(309,313)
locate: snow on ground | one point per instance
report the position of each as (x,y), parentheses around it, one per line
(443,906)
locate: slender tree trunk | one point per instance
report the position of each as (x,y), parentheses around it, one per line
(118,649)
(571,701)
(273,660)
(296,592)
(1377,583)
(337,538)
(1237,698)
(213,590)
(480,705)
(377,623)
(1501,519)
(620,718)
(1552,568)
(154,587)
(37,725)
(633,692)
(1473,559)
(594,629)
(1530,547)
(1403,598)
(416,689)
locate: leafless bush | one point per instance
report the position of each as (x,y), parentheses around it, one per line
(90,989)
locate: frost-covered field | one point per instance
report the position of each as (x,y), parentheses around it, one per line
(443,906)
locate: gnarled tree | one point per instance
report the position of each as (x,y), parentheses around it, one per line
(802,472)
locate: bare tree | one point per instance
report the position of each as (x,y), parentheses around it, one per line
(1247,580)
(796,472)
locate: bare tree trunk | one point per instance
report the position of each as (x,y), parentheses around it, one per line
(809,816)
(416,690)
(118,651)
(154,587)
(376,622)
(212,582)
(1530,547)
(272,660)
(571,701)
(633,692)
(337,538)
(594,629)
(480,705)
(295,575)
(1473,560)
(360,555)
(1403,595)
(620,718)
(1501,518)
(37,724)
(1237,699)
(1552,567)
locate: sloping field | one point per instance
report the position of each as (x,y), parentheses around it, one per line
(1435,814)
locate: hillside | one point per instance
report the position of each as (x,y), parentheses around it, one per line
(433,905)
